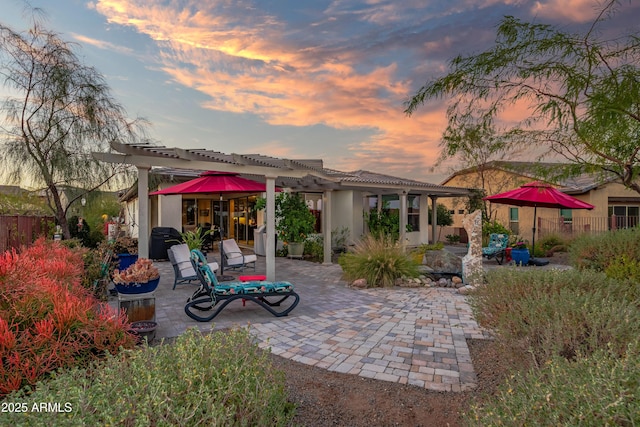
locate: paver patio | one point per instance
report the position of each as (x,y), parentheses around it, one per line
(407,335)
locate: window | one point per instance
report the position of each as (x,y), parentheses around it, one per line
(567,215)
(514,221)
(413,213)
(625,216)
(461,211)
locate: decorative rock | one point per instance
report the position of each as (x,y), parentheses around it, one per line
(443,282)
(359,283)
(465,289)
(456,280)
(442,261)
(472,262)
(425,268)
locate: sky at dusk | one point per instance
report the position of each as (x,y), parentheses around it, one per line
(292,78)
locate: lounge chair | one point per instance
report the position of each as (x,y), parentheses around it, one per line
(181,262)
(496,249)
(216,296)
(234,258)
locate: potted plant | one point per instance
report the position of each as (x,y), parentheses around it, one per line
(194,239)
(520,252)
(294,221)
(126,249)
(139,278)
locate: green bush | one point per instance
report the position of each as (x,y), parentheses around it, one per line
(222,379)
(494,227)
(418,253)
(314,247)
(379,261)
(597,252)
(557,313)
(601,390)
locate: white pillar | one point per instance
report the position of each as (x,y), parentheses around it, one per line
(270,250)
(403,220)
(434,219)
(143,212)
(424,219)
(326,225)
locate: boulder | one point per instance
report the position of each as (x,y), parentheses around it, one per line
(442,261)
(359,283)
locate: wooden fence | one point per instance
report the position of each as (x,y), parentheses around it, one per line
(18,230)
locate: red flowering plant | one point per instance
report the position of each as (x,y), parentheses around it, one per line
(142,271)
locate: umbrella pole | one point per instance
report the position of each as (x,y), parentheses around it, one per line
(533,245)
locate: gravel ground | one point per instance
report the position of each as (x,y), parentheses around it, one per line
(325,398)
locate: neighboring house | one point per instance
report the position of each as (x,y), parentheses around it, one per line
(615,205)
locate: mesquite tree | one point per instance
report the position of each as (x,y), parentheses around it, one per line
(582,92)
(57,113)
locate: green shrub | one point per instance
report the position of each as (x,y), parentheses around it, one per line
(551,241)
(601,390)
(379,261)
(494,227)
(418,253)
(598,251)
(222,379)
(623,268)
(452,238)
(314,247)
(558,313)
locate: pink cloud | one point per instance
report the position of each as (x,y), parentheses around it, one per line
(571,10)
(244,65)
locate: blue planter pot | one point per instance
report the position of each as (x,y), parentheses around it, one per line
(138,288)
(126,260)
(520,256)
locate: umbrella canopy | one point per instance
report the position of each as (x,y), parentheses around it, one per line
(538,194)
(214,182)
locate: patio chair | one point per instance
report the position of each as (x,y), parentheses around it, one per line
(234,258)
(181,263)
(215,296)
(497,245)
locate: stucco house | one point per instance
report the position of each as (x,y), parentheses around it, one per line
(339,198)
(615,205)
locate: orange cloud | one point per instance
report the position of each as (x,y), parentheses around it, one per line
(245,65)
(572,10)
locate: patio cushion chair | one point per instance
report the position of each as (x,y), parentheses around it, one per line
(497,245)
(181,263)
(214,296)
(234,258)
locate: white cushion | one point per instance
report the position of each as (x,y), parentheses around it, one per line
(181,254)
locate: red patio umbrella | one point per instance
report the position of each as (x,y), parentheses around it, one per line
(215,182)
(538,194)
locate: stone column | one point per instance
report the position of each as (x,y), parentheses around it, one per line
(434,219)
(472,272)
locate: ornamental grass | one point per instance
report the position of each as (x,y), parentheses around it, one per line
(380,261)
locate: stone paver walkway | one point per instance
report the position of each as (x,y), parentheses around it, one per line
(411,336)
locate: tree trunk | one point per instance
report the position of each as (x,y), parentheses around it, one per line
(60,212)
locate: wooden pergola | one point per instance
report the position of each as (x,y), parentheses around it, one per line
(299,175)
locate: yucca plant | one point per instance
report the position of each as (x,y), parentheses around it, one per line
(378,260)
